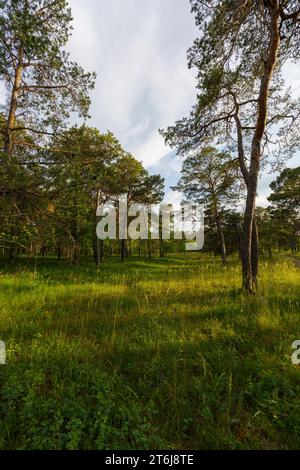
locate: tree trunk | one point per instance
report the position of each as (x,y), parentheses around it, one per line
(249,276)
(222,240)
(161,245)
(76,252)
(250,247)
(254,250)
(161,249)
(123,250)
(98,252)
(219,225)
(98,243)
(239,239)
(8,142)
(126,249)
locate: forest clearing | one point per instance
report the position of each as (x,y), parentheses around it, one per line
(155,353)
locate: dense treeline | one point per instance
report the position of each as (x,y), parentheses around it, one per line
(53,175)
(212,178)
(57,191)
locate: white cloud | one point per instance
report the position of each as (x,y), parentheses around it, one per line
(291,75)
(2,94)
(152,151)
(262,201)
(84,36)
(174,198)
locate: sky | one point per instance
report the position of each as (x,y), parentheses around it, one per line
(138,50)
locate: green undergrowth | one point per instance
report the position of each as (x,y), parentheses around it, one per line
(149,354)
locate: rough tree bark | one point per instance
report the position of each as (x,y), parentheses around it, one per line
(8,142)
(220,230)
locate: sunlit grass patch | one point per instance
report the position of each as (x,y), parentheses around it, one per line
(150,354)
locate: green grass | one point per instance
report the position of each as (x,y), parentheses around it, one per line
(150,354)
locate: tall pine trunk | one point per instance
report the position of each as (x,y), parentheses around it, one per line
(99,251)
(250,239)
(218,221)
(8,141)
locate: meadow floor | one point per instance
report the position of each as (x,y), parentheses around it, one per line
(151,354)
